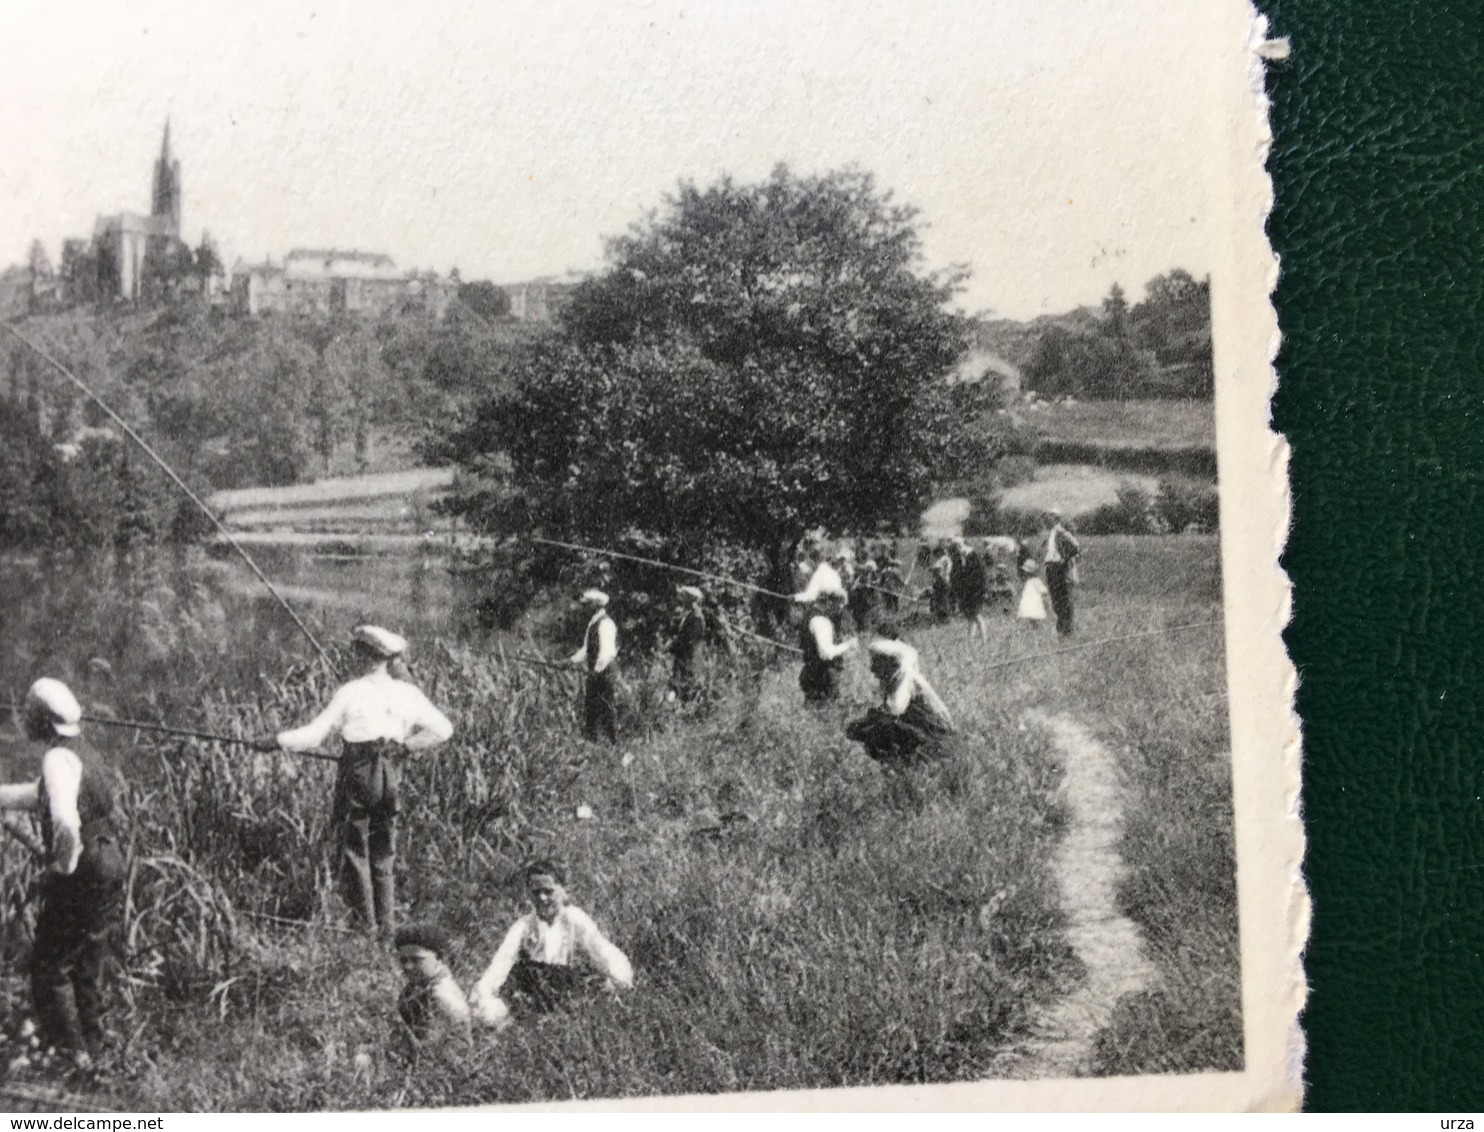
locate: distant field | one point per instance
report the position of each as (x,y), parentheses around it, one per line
(379,485)
(1073,488)
(1132,424)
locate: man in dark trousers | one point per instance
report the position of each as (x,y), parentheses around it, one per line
(380,721)
(819,640)
(1059,556)
(911,724)
(82,889)
(597,657)
(690,631)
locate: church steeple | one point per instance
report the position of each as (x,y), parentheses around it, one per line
(165,200)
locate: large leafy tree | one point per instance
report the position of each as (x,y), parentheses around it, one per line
(757,360)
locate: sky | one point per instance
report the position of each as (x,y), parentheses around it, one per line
(1053,146)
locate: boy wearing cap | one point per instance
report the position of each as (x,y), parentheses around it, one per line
(534,964)
(597,655)
(379,719)
(690,631)
(82,890)
(431,1006)
(911,721)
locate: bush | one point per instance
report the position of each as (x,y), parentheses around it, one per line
(1131,515)
(1184,504)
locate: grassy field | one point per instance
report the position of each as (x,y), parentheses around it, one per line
(1074,489)
(853,929)
(1152,424)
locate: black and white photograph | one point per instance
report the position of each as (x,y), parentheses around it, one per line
(706,555)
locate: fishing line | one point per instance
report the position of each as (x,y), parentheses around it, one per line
(180,483)
(1107,641)
(662,565)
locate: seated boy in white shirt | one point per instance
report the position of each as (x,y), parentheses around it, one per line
(533,966)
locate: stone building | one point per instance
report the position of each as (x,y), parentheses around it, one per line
(329,281)
(134,255)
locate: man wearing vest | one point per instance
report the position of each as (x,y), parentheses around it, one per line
(819,640)
(82,890)
(1059,556)
(380,720)
(597,655)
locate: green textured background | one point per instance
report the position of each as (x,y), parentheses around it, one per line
(1377,121)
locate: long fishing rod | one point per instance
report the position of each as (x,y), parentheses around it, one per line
(759,637)
(184,733)
(538,662)
(662,565)
(180,483)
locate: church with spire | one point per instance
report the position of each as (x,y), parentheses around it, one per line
(136,256)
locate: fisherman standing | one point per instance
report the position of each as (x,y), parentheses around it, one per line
(597,655)
(910,724)
(82,889)
(942,596)
(690,631)
(819,640)
(863,595)
(1059,558)
(380,720)
(892,583)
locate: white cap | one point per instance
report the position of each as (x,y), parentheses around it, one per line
(594,597)
(380,641)
(1030,566)
(900,651)
(825,582)
(60,705)
(691,592)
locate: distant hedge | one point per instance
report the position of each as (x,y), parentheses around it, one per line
(1189,460)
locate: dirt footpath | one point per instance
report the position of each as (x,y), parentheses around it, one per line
(1088,868)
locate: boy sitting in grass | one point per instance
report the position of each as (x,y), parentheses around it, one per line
(534,963)
(432,1006)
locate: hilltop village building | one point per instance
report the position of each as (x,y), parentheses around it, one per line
(132,256)
(327,282)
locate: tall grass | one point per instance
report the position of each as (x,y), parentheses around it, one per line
(844,927)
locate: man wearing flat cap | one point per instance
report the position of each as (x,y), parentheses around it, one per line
(1059,551)
(911,723)
(597,655)
(690,631)
(380,720)
(82,889)
(820,642)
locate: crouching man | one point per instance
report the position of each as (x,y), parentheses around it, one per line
(912,723)
(82,890)
(535,967)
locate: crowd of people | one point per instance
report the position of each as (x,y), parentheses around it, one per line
(380,718)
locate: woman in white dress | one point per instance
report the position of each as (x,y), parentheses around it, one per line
(1034,596)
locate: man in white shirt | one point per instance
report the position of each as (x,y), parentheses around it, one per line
(380,720)
(912,721)
(597,655)
(1059,558)
(536,959)
(819,640)
(82,889)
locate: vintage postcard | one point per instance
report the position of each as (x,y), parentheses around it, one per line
(645,555)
